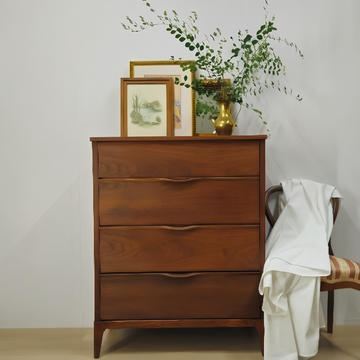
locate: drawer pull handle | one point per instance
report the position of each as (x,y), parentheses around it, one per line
(180,228)
(181,275)
(179,180)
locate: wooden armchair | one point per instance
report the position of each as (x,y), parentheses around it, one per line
(344,273)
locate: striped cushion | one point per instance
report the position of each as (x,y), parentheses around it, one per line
(342,270)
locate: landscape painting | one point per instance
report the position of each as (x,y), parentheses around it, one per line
(146,110)
(147,107)
(177,100)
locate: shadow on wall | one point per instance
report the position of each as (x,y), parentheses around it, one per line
(47,277)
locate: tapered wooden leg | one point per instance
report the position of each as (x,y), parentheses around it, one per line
(99,329)
(330,312)
(260,328)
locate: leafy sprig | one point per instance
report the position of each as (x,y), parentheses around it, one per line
(249,57)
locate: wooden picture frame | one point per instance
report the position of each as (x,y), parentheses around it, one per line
(146,106)
(184,98)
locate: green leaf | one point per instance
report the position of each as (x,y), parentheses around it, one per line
(254,42)
(177,36)
(187,44)
(182,39)
(191,48)
(262,27)
(173,32)
(260,37)
(185,77)
(247,38)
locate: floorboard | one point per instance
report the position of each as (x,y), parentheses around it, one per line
(161,344)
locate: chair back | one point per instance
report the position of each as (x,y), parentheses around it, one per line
(335,202)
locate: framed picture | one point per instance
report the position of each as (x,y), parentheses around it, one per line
(147,106)
(184,99)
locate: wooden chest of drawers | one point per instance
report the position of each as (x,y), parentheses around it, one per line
(179,232)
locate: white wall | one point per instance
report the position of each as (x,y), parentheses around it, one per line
(60,65)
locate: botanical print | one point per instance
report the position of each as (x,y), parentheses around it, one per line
(177,98)
(146,109)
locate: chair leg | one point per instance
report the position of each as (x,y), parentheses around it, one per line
(330,312)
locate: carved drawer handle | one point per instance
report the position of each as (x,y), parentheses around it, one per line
(179,180)
(180,228)
(180,275)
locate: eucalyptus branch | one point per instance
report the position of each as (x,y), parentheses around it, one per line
(279,39)
(249,56)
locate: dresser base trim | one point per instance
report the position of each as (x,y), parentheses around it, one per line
(101,326)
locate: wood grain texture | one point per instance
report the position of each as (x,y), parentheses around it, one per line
(194,248)
(99,328)
(178,159)
(96,230)
(179,232)
(185,295)
(227,138)
(262,202)
(177,323)
(162,202)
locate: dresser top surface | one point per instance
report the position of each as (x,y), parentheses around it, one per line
(178,138)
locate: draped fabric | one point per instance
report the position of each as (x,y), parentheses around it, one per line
(296,259)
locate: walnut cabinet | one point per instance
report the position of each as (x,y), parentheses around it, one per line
(179,229)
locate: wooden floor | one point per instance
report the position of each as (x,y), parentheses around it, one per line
(160,344)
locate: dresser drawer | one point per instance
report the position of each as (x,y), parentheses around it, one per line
(178,158)
(180,296)
(180,202)
(190,248)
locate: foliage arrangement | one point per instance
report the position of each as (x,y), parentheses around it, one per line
(243,58)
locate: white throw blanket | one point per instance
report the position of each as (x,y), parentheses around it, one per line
(296,258)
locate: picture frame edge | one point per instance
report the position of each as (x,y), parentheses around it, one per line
(134,63)
(167,81)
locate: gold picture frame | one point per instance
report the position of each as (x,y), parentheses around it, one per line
(184,98)
(146,106)
(205,126)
